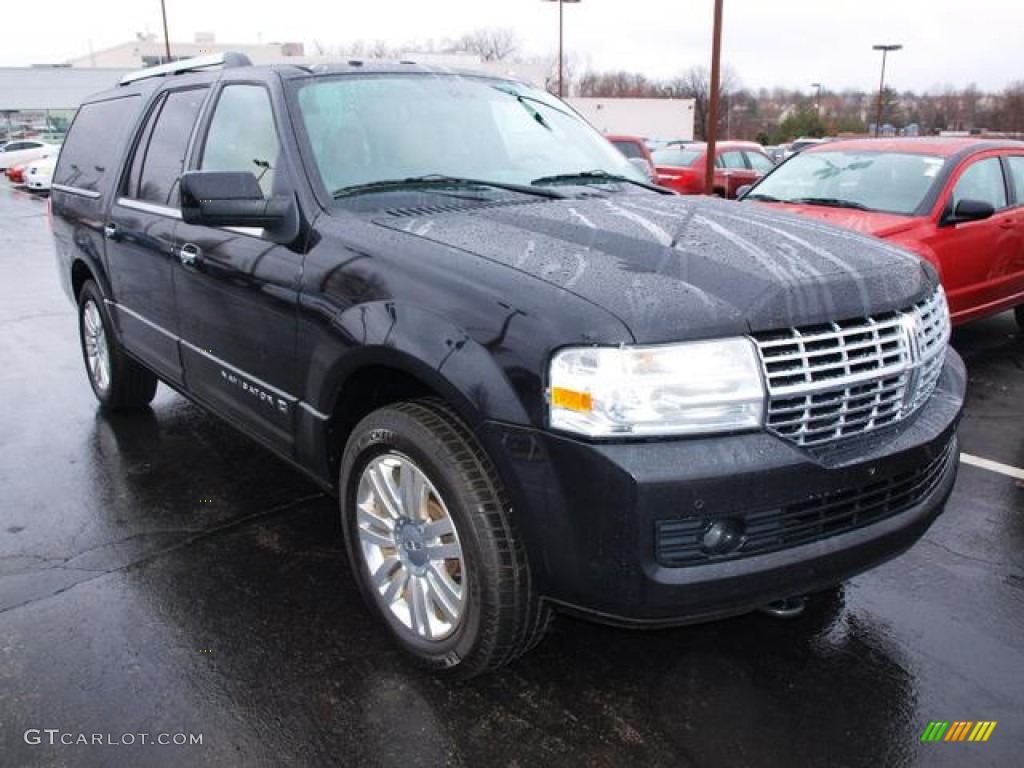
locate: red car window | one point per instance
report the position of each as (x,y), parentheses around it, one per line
(982,181)
(681,158)
(1016,163)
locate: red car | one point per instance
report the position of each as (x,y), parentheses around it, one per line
(957,202)
(634,148)
(16,174)
(737,163)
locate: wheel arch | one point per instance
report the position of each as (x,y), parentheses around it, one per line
(467,378)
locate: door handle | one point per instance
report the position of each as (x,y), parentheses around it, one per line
(190,255)
(110,231)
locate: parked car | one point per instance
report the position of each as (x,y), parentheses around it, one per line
(16,173)
(957,202)
(777,153)
(534,381)
(799,145)
(39,174)
(635,150)
(737,163)
(23,151)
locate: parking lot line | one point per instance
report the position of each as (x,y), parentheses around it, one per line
(994,466)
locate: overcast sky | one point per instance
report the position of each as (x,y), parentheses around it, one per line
(789,43)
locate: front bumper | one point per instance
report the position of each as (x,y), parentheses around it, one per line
(615,529)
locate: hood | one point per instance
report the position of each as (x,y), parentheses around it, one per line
(673,267)
(868,222)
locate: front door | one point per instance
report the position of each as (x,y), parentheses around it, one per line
(975,258)
(237,290)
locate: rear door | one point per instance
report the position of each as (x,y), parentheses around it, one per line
(140,232)
(759,165)
(1015,271)
(735,172)
(237,290)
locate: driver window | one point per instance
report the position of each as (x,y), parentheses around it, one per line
(982,181)
(242,136)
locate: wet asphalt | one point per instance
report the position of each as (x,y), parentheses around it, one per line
(163,577)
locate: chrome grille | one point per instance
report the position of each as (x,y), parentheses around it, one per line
(840,379)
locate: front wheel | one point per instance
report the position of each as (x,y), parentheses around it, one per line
(117,381)
(432,543)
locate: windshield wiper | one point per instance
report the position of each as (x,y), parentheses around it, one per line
(597,177)
(764,198)
(440,180)
(831,202)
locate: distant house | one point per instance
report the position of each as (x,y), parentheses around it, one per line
(147,51)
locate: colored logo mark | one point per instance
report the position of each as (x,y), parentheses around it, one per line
(958,730)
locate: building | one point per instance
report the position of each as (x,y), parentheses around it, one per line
(147,51)
(35,100)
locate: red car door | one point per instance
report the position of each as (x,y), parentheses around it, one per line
(732,172)
(980,261)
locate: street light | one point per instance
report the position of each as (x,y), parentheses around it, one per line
(560,67)
(881,84)
(817,98)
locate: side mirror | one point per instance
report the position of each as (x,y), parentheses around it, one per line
(231,199)
(966,210)
(742,190)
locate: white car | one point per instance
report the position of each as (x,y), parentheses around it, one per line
(23,151)
(40,173)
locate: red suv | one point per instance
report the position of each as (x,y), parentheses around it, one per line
(737,163)
(958,202)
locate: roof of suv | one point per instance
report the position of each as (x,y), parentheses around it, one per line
(230,62)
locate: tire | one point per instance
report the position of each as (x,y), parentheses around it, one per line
(450,579)
(1018,313)
(118,382)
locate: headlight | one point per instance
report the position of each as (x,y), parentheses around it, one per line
(673,389)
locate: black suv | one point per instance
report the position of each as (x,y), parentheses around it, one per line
(533,380)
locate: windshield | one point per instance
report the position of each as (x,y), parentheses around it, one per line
(891,182)
(365,129)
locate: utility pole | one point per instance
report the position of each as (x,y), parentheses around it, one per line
(712,128)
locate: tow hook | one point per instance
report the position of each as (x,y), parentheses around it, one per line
(786,608)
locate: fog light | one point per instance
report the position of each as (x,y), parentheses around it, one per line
(723,536)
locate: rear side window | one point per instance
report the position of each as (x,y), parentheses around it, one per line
(1017,174)
(681,158)
(629,149)
(90,152)
(731,159)
(759,162)
(160,154)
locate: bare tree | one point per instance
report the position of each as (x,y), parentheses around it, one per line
(490,44)
(695,83)
(1011,108)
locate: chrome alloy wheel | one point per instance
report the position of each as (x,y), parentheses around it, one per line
(410,547)
(97,353)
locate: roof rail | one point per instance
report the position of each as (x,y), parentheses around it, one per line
(226,59)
